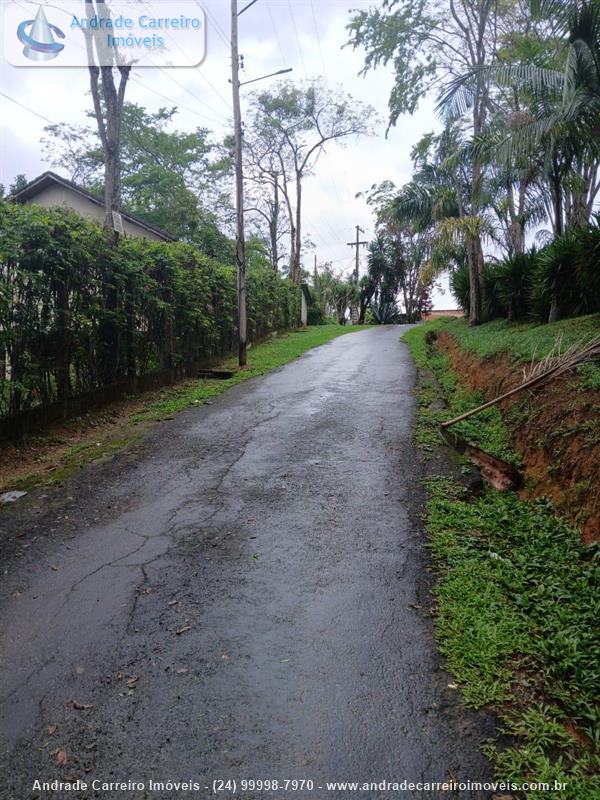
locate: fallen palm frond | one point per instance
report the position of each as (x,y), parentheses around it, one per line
(539,367)
(550,367)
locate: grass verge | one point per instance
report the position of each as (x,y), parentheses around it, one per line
(517,605)
(485,430)
(57,454)
(522,341)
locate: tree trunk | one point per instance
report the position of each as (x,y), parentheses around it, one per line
(274,228)
(108,103)
(364,305)
(557,201)
(516,234)
(554,313)
(63,377)
(297,253)
(475,294)
(474,248)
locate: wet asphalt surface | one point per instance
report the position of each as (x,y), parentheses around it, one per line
(242,595)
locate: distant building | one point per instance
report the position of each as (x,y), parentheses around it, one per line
(306,301)
(50,190)
(436,313)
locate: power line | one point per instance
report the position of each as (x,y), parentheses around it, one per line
(215,90)
(31,111)
(213,19)
(192,94)
(318,35)
(297,39)
(168,75)
(306,76)
(275,31)
(179,105)
(312,8)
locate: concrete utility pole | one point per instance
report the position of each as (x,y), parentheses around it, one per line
(357,244)
(240,245)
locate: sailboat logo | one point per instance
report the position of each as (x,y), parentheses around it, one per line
(38,37)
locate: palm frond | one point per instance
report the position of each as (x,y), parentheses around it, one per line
(553,366)
(457,96)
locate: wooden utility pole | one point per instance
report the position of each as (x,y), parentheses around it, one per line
(240,249)
(357,244)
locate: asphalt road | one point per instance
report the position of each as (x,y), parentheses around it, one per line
(243,595)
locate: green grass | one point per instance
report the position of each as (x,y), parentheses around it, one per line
(517,608)
(73,460)
(486,430)
(526,341)
(261,358)
(522,341)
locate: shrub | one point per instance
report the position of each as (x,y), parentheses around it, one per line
(459,286)
(562,280)
(568,275)
(514,281)
(317,316)
(383,313)
(77,314)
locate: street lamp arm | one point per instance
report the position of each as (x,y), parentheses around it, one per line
(270,75)
(245,8)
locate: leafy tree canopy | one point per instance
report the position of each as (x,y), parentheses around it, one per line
(174,180)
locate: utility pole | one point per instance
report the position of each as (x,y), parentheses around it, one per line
(240,246)
(357,244)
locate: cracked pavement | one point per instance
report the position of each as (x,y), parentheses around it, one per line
(242,594)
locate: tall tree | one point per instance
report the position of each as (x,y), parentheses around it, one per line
(295,123)
(430,43)
(178,181)
(553,88)
(108,98)
(267,205)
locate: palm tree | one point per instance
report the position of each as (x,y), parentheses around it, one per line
(559,132)
(560,129)
(444,200)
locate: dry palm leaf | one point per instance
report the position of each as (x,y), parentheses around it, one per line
(498,473)
(540,373)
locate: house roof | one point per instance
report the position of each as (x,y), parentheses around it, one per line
(47,179)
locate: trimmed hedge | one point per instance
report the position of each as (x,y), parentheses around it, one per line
(77,314)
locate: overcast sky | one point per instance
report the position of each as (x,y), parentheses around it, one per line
(307,35)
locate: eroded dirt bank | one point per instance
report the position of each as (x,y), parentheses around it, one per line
(556,430)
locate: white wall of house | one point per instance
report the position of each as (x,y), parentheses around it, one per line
(57,195)
(303,309)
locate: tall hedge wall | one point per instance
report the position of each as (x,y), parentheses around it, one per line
(77,314)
